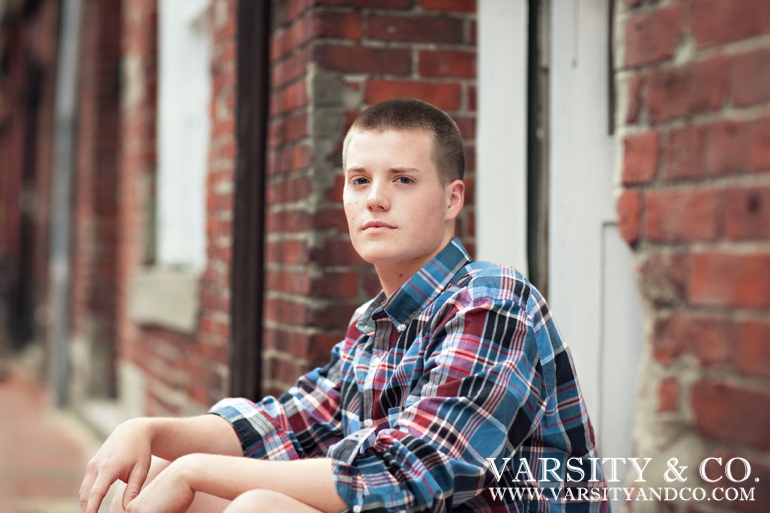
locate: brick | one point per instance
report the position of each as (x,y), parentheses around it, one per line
(468,6)
(445,96)
(288,370)
(447,63)
(290,69)
(294,96)
(336,252)
(291,282)
(331,219)
(680,215)
(694,88)
(470,159)
(640,157)
(719,21)
(684,154)
(289,221)
(294,189)
(372,285)
(338,25)
(629,208)
(730,279)
(668,395)
(332,317)
(292,158)
(760,145)
(750,78)
(747,213)
(336,285)
(286,252)
(713,341)
(363,59)
(636,89)
(754,348)
(663,278)
(467,126)
(289,129)
(728,147)
(415,29)
(652,36)
(320,346)
(298,344)
(334,193)
(285,311)
(732,414)
(670,338)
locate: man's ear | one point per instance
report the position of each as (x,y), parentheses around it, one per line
(455,195)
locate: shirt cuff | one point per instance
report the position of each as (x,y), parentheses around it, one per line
(258,428)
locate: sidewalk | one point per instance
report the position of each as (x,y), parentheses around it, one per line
(43,451)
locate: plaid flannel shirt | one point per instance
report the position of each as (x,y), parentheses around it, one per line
(463,363)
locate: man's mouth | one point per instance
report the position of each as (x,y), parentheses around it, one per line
(377,226)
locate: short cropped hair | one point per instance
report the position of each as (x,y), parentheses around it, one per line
(411,114)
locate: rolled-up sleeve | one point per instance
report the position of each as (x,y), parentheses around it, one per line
(303,422)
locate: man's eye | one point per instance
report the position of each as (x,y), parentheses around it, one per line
(359,181)
(405,180)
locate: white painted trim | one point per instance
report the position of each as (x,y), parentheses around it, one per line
(165,298)
(501,133)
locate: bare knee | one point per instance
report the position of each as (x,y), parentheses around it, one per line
(266,501)
(253,501)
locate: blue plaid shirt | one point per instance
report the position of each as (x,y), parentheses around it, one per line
(461,364)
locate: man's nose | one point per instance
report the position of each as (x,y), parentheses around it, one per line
(377,198)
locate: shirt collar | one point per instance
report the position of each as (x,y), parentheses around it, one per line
(419,291)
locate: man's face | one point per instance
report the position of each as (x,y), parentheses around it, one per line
(399,214)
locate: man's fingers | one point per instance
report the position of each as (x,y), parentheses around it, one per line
(134,484)
(92,472)
(95,495)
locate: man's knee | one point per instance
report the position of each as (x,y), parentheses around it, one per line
(254,501)
(267,501)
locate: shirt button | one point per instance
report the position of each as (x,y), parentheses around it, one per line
(376,361)
(357,508)
(401,328)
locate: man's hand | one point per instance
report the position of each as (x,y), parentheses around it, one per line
(169,492)
(126,455)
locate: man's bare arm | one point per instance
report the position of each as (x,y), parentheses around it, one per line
(127,453)
(310,481)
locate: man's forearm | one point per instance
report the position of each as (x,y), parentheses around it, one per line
(310,481)
(171,438)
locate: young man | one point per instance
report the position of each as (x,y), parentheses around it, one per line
(453,363)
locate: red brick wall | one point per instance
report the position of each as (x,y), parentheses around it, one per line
(183,373)
(695,207)
(136,166)
(212,347)
(330,59)
(30,39)
(95,219)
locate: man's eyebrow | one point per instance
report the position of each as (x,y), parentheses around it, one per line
(404,169)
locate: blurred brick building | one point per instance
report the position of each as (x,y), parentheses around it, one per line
(179,236)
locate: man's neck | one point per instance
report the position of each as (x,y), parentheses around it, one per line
(392,277)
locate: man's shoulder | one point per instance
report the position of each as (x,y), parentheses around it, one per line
(497,281)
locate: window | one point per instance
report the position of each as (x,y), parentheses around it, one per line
(184,95)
